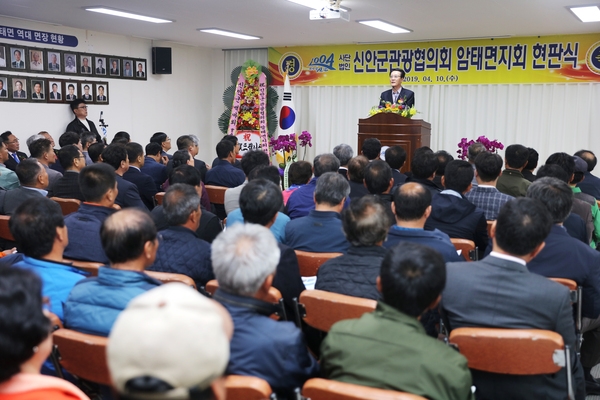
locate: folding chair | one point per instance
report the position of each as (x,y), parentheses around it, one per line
(309,262)
(168,277)
(67,206)
(158,197)
(321,309)
(240,387)
(577,300)
(324,389)
(81,354)
(514,351)
(88,266)
(216,196)
(467,247)
(5,232)
(489,227)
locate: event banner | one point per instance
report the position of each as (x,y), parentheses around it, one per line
(537,59)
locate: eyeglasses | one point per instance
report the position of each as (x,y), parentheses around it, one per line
(13,142)
(83,108)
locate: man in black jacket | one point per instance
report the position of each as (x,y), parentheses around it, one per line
(81,123)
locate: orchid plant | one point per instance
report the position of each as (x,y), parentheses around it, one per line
(490,145)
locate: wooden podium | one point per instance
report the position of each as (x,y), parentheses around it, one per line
(394,130)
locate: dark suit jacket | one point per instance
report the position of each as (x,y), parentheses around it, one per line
(101,98)
(128,195)
(156,170)
(37,96)
(101,71)
(11,199)
(3,93)
(18,64)
(53,67)
(67,187)
(590,185)
(86,70)
(145,185)
(287,277)
(55,97)
(19,94)
(498,293)
(11,163)
(209,229)
(71,97)
(407,95)
(140,74)
(198,164)
(78,127)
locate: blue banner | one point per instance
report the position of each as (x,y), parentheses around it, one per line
(28,35)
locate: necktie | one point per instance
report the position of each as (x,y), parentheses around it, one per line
(16,157)
(395,97)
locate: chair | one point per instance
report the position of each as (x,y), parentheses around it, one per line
(167,277)
(82,355)
(5,232)
(514,351)
(274,296)
(240,387)
(309,262)
(324,389)
(489,227)
(88,266)
(216,194)
(321,309)
(467,247)
(158,197)
(67,206)
(577,299)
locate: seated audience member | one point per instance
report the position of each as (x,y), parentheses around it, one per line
(41,150)
(488,167)
(128,194)
(344,154)
(578,176)
(153,166)
(453,214)
(12,145)
(99,188)
(26,341)
(412,207)
(423,165)
(356,177)
(72,161)
(121,137)
(395,156)
(210,224)
(34,181)
(236,149)
(165,143)
(190,143)
(512,182)
(371,148)
(299,174)
(260,202)
(270,173)
(41,235)
(379,182)
(302,200)
(474,150)
(590,183)
(362,351)
(183,157)
(33,138)
(130,242)
(499,292)
(181,251)
(354,273)
(444,158)
(144,183)
(223,173)
(532,162)
(250,160)
(189,335)
(8,177)
(321,230)
(95,151)
(87,139)
(66,139)
(245,259)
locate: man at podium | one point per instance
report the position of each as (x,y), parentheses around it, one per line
(397,94)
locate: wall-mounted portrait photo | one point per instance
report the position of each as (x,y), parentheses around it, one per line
(70,63)
(36,60)
(71,91)
(55,89)
(37,89)
(53,61)
(19,86)
(100,66)
(3,86)
(128,68)
(101,93)
(86,65)
(2,57)
(17,55)
(140,71)
(86,92)
(114,67)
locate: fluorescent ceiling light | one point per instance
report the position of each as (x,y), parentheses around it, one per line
(124,14)
(587,14)
(384,26)
(228,33)
(315,4)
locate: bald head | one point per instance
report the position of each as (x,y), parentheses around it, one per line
(124,235)
(411,201)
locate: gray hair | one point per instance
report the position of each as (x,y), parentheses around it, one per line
(365,222)
(87,137)
(326,162)
(242,258)
(179,202)
(344,153)
(195,139)
(331,188)
(33,138)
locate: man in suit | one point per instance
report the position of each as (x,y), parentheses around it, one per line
(499,292)
(70,65)
(12,144)
(81,123)
(17,62)
(37,91)
(395,156)
(100,67)
(41,149)
(140,72)
(34,181)
(191,144)
(127,71)
(8,178)
(53,64)
(2,90)
(512,181)
(19,93)
(71,95)
(73,161)
(344,153)
(144,183)
(85,68)
(590,183)
(54,94)
(128,195)
(115,68)
(397,94)
(423,165)
(153,165)
(86,93)
(101,96)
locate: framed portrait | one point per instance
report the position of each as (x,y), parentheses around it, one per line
(38,89)
(102,92)
(140,69)
(100,65)
(17,58)
(128,66)
(2,56)
(71,92)
(87,91)
(55,91)
(70,63)
(115,67)
(36,60)
(54,61)
(3,88)
(19,88)
(85,64)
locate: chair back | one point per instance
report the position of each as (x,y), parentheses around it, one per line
(67,206)
(168,277)
(158,197)
(321,309)
(274,296)
(216,194)
(82,355)
(489,227)
(88,266)
(571,284)
(324,389)
(466,246)
(310,262)
(56,322)
(5,232)
(240,387)
(577,300)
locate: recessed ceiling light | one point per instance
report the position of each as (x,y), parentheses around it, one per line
(125,14)
(587,14)
(384,26)
(315,4)
(228,33)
